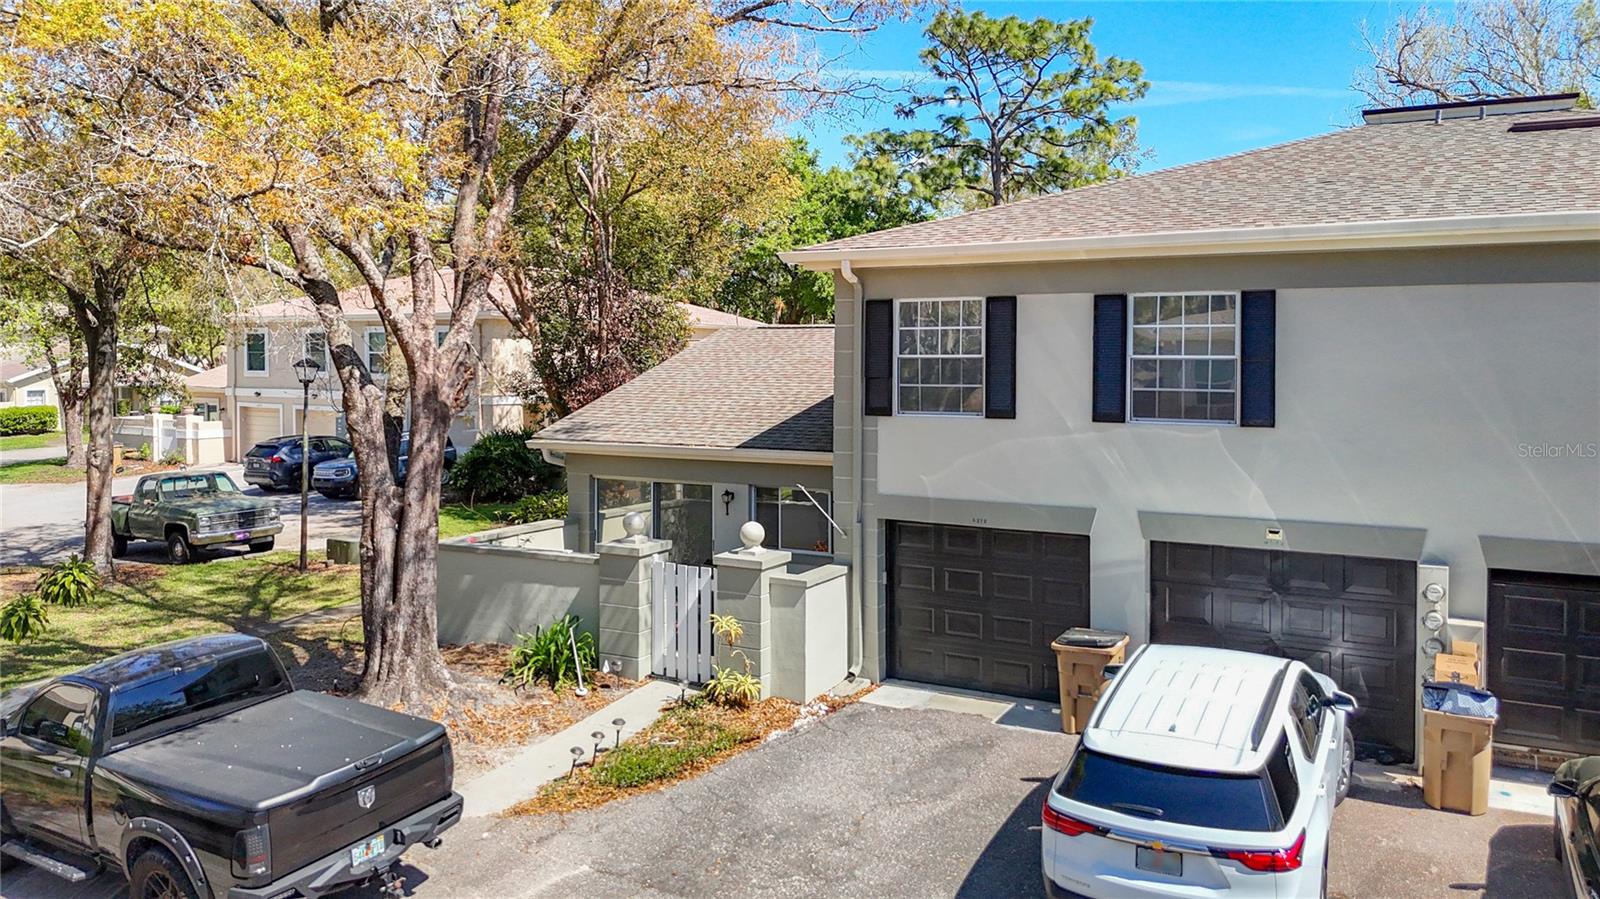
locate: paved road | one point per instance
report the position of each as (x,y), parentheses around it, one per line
(880,802)
(35,454)
(43,522)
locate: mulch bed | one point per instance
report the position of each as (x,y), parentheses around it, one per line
(766,720)
(488,721)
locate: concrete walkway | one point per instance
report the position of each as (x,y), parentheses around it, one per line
(33,454)
(522,775)
(1011,711)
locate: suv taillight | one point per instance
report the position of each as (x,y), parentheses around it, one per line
(1273,860)
(275,459)
(1068,825)
(252,852)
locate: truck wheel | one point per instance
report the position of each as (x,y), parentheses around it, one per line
(119,545)
(157,875)
(179,552)
(261,546)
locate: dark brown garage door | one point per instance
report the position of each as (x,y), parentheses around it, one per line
(1544,660)
(978,607)
(1347,617)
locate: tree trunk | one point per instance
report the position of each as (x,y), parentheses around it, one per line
(98,321)
(72,428)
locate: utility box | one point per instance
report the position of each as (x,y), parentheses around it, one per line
(344,550)
(1457,753)
(1082,655)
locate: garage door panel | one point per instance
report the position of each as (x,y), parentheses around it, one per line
(1544,659)
(992,614)
(1341,616)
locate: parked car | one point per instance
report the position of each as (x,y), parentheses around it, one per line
(275,464)
(1201,771)
(197,770)
(339,478)
(1576,788)
(191,511)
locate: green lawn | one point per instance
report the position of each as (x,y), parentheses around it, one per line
(49,471)
(30,441)
(180,601)
(456,520)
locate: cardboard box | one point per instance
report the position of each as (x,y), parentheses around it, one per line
(1457,754)
(1464,648)
(1453,668)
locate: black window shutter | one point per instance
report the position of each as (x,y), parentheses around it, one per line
(1000,358)
(1110,357)
(877,357)
(1258,326)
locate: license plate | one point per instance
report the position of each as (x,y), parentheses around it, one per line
(367,851)
(1161,861)
(254,464)
(241,535)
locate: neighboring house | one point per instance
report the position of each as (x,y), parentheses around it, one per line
(207,393)
(737,426)
(1263,402)
(22,384)
(261,397)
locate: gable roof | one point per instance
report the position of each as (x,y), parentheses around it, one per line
(357,301)
(740,390)
(1404,178)
(705,318)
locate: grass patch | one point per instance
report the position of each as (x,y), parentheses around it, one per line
(688,739)
(47,471)
(156,603)
(31,441)
(458,519)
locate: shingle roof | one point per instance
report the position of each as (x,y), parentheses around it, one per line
(210,379)
(708,318)
(1369,173)
(767,387)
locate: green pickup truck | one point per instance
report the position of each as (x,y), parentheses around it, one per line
(191,510)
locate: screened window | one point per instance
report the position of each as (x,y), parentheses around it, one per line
(614,499)
(255,352)
(940,356)
(317,348)
(377,345)
(683,515)
(793,522)
(1183,357)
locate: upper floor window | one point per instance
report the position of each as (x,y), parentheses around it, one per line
(939,356)
(255,352)
(377,345)
(440,332)
(1183,357)
(317,348)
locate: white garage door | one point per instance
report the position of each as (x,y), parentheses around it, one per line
(255,425)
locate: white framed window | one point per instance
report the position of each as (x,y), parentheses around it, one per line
(1183,358)
(377,345)
(939,356)
(439,332)
(792,521)
(317,348)
(35,397)
(255,352)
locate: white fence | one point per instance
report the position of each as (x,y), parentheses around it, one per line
(680,620)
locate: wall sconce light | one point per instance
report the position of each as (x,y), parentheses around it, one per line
(727,501)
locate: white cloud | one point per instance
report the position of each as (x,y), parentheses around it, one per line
(1174,93)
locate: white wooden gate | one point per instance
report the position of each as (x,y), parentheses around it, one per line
(680,620)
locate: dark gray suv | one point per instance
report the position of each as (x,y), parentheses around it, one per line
(275,464)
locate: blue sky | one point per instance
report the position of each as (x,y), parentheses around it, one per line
(1225,77)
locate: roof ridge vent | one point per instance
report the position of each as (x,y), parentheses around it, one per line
(1469,109)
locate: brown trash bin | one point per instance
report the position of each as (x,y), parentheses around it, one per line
(1457,753)
(1082,655)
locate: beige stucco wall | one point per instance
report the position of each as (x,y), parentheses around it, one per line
(17,394)
(1416,390)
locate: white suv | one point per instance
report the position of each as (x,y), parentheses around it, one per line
(1203,772)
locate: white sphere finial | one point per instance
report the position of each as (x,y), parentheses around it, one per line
(634,524)
(751,533)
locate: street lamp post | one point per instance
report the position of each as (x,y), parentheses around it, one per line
(306,370)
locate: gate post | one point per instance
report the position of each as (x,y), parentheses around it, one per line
(744,590)
(624,632)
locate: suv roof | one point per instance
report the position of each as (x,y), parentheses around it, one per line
(1193,707)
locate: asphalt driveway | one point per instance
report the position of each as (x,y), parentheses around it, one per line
(878,802)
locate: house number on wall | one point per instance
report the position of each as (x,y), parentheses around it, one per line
(980,521)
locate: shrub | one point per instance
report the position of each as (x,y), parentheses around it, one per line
(546,655)
(69,583)
(174,456)
(501,467)
(539,507)
(23,618)
(27,420)
(170,409)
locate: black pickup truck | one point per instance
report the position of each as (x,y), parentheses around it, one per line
(197,769)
